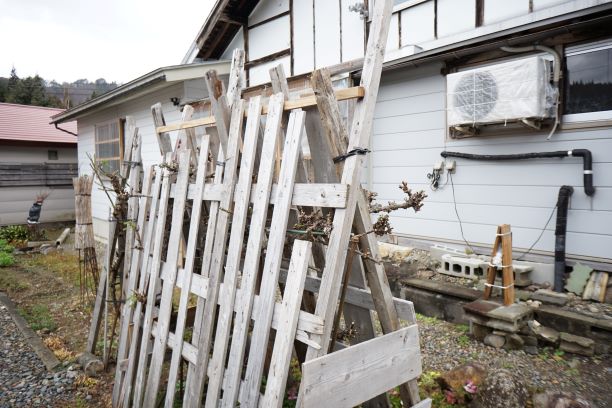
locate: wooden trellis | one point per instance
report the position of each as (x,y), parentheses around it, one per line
(208,256)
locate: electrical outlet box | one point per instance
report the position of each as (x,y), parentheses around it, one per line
(450,165)
(439,165)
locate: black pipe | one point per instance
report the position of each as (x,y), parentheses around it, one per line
(565,192)
(587,161)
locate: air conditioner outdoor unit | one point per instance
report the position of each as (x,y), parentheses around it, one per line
(518,90)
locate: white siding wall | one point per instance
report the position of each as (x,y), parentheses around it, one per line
(16,201)
(409,134)
(140,109)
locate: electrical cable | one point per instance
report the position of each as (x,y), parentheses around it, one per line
(470,246)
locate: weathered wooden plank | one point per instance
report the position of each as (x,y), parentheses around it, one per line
(244,302)
(308,323)
(359,137)
(327,195)
(196,375)
(154,267)
(358,373)
(186,279)
(285,331)
(362,298)
(163,138)
(276,240)
(234,252)
(143,270)
(172,254)
(236,81)
(300,103)
(219,107)
(135,249)
(186,138)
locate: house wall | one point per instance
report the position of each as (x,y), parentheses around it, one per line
(409,134)
(140,110)
(15,201)
(307,34)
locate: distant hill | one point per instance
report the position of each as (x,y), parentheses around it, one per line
(37,91)
(79,91)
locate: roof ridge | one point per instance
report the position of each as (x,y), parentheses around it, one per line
(33,106)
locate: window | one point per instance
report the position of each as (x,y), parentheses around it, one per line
(52,154)
(109,145)
(588,82)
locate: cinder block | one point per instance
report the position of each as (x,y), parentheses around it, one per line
(437,251)
(470,268)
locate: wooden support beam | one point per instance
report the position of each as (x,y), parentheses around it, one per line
(306,102)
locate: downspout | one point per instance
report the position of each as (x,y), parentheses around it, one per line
(556,75)
(64,130)
(585,154)
(565,192)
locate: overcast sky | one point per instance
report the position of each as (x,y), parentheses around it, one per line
(117,40)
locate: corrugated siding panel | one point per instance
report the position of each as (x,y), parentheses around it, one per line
(409,134)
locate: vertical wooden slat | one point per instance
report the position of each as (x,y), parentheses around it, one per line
(274,252)
(196,374)
(172,254)
(152,289)
(141,268)
(234,251)
(252,256)
(285,332)
(163,138)
(194,225)
(359,137)
(128,307)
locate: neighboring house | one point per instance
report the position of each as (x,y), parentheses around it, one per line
(427,90)
(35,157)
(101,120)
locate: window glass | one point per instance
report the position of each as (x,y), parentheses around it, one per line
(108,146)
(589,81)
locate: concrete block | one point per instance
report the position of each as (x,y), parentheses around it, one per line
(470,268)
(541,273)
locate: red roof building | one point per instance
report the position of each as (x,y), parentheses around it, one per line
(23,123)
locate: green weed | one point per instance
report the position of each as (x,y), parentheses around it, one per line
(38,317)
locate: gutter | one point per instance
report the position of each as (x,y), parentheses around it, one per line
(64,130)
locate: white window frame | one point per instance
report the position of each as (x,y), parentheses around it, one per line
(587,117)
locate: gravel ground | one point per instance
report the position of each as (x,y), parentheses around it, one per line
(445,346)
(24,380)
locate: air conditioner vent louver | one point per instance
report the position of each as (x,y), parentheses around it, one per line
(500,93)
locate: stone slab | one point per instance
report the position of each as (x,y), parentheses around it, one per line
(513,313)
(578,278)
(550,297)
